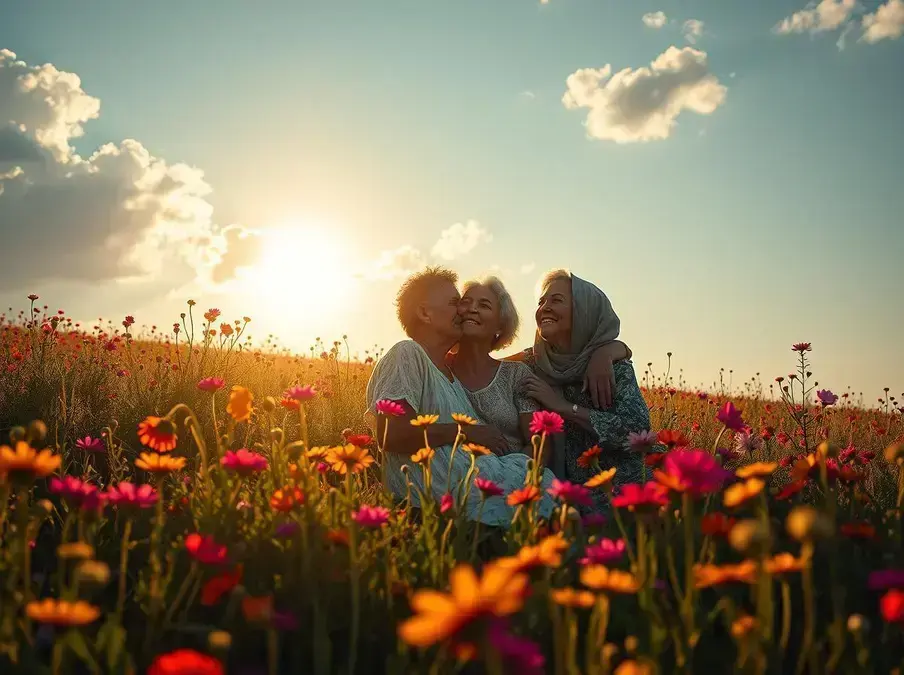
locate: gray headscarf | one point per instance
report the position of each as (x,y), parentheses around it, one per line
(593,324)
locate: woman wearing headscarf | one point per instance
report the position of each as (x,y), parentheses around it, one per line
(575,318)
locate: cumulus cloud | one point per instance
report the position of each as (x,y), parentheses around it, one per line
(692,30)
(654,19)
(119,213)
(886,23)
(643,104)
(817,18)
(396,263)
(460,239)
(237,248)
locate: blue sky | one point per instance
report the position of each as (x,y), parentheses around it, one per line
(772,219)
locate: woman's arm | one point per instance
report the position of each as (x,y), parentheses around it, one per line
(599,380)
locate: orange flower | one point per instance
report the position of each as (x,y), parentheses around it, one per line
(743,626)
(318,452)
(158,433)
(524,495)
(715,575)
(26,462)
(239,406)
(588,458)
(257,610)
(632,667)
(476,449)
(424,420)
(756,470)
(463,420)
(285,499)
(423,456)
(783,563)
(740,493)
(289,403)
(572,597)
(606,580)
(548,553)
(62,612)
(601,479)
(349,458)
(154,463)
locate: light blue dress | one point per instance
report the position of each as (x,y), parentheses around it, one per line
(406,373)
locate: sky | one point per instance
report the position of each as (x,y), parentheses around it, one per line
(729,173)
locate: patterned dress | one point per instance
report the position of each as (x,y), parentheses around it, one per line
(629,413)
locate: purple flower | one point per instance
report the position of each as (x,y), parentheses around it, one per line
(826,397)
(642,441)
(885,579)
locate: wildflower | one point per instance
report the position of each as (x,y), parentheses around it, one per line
(239,406)
(211,384)
(746,442)
(805,523)
(525,495)
(742,626)
(389,408)
(518,654)
(884,579)
(285,499)
(477,449)
(183,661)
(891,606)
(717,524)
(371,516)
(826,397)
(75,550)
(446,502)
(730,417)
(605,580)
(784,563)
(158,433)
(359,440)
(604,552)
(693,471)
(338,537)
(569,493)
(642,441)
(801,347)
(547,553)
(244,462)
(424,420)
(589,457)
(602,479)
(300,393)
(545,422)
(212,314)
(76,492)
(24,462)
(89,444)
(790,489)
(318,452)
(756,470)
(289,403)
(716,575)
(155,463)
(649,497)
(348,458)
(62,613)
(488,487)
(740,493)
(205,549)
(423,456)
(672,439)
(463,420)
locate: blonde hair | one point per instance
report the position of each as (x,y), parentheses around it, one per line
(550,276)
(508,315)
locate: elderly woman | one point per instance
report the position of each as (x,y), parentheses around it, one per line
(575,318)
(414,374)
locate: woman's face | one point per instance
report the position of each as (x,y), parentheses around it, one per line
(479,311)
(554,313)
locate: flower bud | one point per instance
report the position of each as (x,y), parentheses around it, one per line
(37,432)
(269,404)
(806,523)
(276,434)
(16,434)
(93,572)
(749,537)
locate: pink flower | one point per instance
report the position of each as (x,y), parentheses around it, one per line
(604,552)
(826,397)
(205,549)
(730,416)
(884,579)
(389,408)
(646,497)
(693,471)
(89,444)
(801,347)
(211,384)
(488,487)
(570,493)
(77,493)
(300,393)
(518,654)
(125,494)
(446,503)
(545,422)
(371,516)
(642,441)
(244,462)
(847,454)
(747,442)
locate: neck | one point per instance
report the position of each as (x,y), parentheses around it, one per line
(472,354)
(436,347)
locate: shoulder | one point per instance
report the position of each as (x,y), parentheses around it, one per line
(406,350)
(515,371)
(527,358)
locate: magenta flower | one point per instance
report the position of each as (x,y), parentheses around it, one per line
(90,444)
(322,467)
(244,462)
(693,471)
(211,384)
(885,579)
(570,493)
(637,497)
(488,487)
(801,347)
(730,416)
(545,422)
(77,493)
(446,503)
(604,552)
(300,393)
(389,408)
(125,494)
(826,397)
(371,516)
(205,549)
(518,654)
(642,441)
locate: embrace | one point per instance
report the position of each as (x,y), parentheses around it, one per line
(576,368)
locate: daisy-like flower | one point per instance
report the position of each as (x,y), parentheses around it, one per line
(642,441)
(90,444)
(211,384)
(361,440)
(205,549)
(77,493)
(239,406)
(602,479)
(371,516)
(589,457)
(389,408)
(741,493)
(546,422)
(154,463)
(476,449)
(300,393)
(672,438)
(601,578)
(572,597)
(184,661)
(423,456)
(24,462)
(790,489)
(62,613)
(289,403)
(801,347)
(349,458)
(756,470)
(524,495)
(244,462)
(463,420)
(546,553)
(604,552)
(424,420)
(649,497)
(212,314)
(286,499)
(570,493)
(125,494)
(716,575)
(695,472)
(158,434)
(747,442)
(318,452)
(488,488)
(730,417)
(783,563)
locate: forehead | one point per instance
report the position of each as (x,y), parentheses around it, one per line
(444,291)
(479,292)
(558,286)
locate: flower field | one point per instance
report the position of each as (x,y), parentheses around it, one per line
(179,502)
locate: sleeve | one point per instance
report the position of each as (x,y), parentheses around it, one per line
(398,376)
(523,403)
(628,414)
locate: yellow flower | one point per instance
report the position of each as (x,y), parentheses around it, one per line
(783,563)
(740,493)
(715,575)
(155,463)
(547,553)
(424,420)
(572,597)
(601,479)
(345,458)
(239,406)
(26,462)
(76,550)
(318,452)
(463,420)
(756,470)
(62,612)
(438,616)
(601,578)
(423,456)
(742,626)
(477,449)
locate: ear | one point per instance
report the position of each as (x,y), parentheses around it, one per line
(422,313)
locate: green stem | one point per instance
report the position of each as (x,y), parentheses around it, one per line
(123,568)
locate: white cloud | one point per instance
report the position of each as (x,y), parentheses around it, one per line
(460,239)
(528,95)
(816,18)
(397,263)
(654,19)
(886,23)
(692,30)
(642,104)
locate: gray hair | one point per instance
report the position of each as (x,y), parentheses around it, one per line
(550,276)
(413,291)
(508,315)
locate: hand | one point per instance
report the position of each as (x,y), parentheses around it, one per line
(543,394)
(599,380)
(487,436)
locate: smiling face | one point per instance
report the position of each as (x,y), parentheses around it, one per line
(480,315)
(554,313)
(441,310)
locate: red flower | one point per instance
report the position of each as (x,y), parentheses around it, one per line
(655,458)
(717,524)
(569,493)
(693,471)
(545,422)
(672,439)
(790,489)
(220,585)
(892,606)
(730,417)
(858,530)
(650,496)
(589,457)
(801,347)
(211,384)
(243,461)
(205,549)
(359,440)
(186,662)
(488,487)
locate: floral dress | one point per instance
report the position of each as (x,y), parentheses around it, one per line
(629,413)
